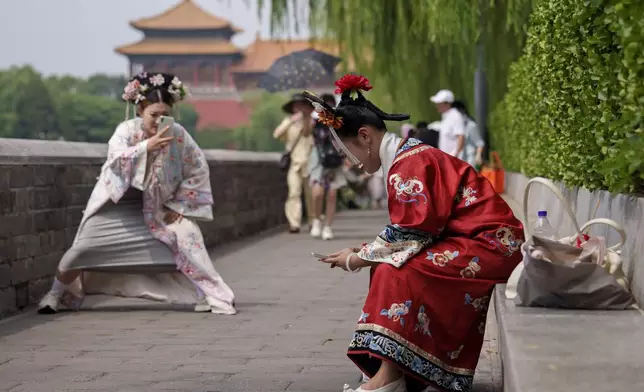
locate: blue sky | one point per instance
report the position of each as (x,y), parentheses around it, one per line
(78,37)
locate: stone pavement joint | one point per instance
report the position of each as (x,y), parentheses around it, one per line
(296,317)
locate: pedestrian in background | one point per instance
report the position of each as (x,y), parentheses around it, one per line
(296,132)
(452,128)
(407,131)
(326,177)
(427,135)
(474,144)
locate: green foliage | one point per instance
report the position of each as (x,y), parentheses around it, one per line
(187,116)
(26,106)
(410,49)
(99,84)
(65,106)
(88,118)
(266,116)
(215,138)
(574,107)
(257,135)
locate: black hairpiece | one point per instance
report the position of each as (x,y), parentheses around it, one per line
(352,113)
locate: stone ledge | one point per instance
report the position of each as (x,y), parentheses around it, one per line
(564,350)
(26,151)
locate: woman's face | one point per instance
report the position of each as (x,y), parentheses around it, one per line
(366,147)
(303,107)
(151,114)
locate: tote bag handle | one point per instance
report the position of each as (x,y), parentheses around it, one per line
(496,161)
(608,222)
(553,188)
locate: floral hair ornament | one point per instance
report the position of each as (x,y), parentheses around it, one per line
(351,84)
(356,110)
(135,91)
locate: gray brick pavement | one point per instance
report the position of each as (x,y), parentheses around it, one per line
(294,322)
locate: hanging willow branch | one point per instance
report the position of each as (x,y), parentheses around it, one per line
(412,48)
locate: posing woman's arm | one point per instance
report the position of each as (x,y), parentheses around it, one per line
(193,197)
(126,162)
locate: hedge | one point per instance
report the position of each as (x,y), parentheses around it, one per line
(575,101)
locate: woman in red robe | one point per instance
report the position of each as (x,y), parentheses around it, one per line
(452,238)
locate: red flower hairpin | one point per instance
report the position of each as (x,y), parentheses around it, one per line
(350,82)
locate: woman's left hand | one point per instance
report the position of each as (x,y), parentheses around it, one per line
(172,217)
(339,259)
(478,160)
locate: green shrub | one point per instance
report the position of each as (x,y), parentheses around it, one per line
(215,138)
(575,100)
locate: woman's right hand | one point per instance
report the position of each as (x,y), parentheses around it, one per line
(157,141)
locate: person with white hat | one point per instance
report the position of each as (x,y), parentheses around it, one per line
(452,127)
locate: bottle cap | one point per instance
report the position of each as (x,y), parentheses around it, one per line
(542,214)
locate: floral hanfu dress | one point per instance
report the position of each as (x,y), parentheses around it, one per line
(176,178)
(452,238)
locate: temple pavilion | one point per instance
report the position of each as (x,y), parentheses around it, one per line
(190,42)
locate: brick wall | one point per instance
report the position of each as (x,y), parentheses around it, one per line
(44,187)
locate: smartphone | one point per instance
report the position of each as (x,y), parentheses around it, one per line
(319,256)
(165,121)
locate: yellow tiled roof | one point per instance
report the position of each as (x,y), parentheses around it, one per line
(185,15)
(179,47)
(261,54)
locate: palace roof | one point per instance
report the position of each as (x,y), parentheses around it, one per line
(261,54)
(186,15)
(179,46)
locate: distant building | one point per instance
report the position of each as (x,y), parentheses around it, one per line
(195,45)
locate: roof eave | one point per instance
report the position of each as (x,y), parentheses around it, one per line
(142,27)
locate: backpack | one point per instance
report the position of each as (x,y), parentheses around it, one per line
(330,157)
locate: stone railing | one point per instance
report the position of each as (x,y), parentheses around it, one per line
(626,210)
(44,186)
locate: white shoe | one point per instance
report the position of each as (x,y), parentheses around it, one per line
(316,228)
(54,301)
(228,311)
(202,305)
(396,386)
(49,304)
(214,306)
(327,233)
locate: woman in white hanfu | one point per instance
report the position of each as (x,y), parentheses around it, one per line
(138,236)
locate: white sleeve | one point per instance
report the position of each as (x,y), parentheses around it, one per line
(457,123)
(475,135)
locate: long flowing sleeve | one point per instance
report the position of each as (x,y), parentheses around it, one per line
(193,197)
(126,162)
(420,203)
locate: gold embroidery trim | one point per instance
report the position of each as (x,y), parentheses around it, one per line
(415,348)
(410,153)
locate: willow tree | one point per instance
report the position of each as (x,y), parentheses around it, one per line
(412,48)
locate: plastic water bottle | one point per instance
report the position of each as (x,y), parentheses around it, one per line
(543,228)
